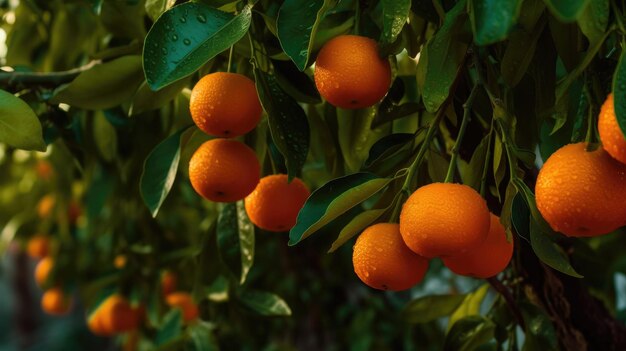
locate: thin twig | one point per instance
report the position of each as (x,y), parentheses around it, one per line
(510,301)
(467,116)
(8,79)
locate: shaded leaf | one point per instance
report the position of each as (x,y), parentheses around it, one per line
(395,15)
(567,10)
(356,226)
(469,333)
(470,305)
(265,303)
(19,125)
(431,307)
(493,19)
(235,238)
(619,92)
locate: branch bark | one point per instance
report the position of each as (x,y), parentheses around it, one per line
(29,79)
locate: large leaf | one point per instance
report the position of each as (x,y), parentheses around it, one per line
(470,305)
(619,92)
(567,10)
(442,58)
(519,53)
(103,86)
(235,238)
(159,171)
(333,199)
(594,19)
(431,307)
(288,123)
(354,129)
(265,303)
(186,37)
(493,19)
(469,333)
(395,15)
(297,25)
(19,125)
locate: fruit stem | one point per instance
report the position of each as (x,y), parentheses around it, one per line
(230,59)
(483,178)
(467,116)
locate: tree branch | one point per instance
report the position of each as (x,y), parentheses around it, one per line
(12,79)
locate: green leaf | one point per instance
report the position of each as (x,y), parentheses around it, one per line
(469,333)
(540,333)
(431,307)
(354,129)
(472,176)
(297,25)
(492,20)
(201,334)
(146,99)
(105,137)
(442,58)
(395,15)
(519,53)
(171,327)
(265,303)
(288,123)
(387,146)
(154,8)
(333,199)
(19,125)
(619,92)
(103,86)
(470,306)
(437,166)
(235,238)
(567,10)
(356,226)
(187,36)
(594,19)
(543,238)
(159,171)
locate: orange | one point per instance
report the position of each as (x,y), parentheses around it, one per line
(225,104)
(488,259)
(383,261)
(43,269)
(38,246)
(44,170)
(114,315)
(184,301)
(350,74)
(582,193)
(55,302)
(168,282)
(119,261)
(223,170)
(442,219)
(611,135)
(275,203)
(45,206)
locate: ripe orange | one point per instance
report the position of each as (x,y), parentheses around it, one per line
(55,302)
(350,74)
(44,170)
(114,315)
(442,219)
(184,301)
(119,261)
(582,193)
(45,206)
(488,259)
(225,104)
(612,137)
(275,203)
(43,269)
(38,246)
(168,282)
(223,170)
(383,261)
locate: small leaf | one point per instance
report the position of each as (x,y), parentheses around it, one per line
(356,226)
(519,53)
(159,171)
(333,199)
(187,36)
(288,123)
(469,333)
(265,303)
(103,86)
(442,58)
(567,10)
(472,176)
(171,327)
(154,8)
(395,15)
(493,19)
(354,129)
(19,125)
(387,146)
(619,92)
(431,307)
(201,334)
(235,238)
(470,306)
(146,99)
(297,25)
(594,19)
(105,137)
(540,333)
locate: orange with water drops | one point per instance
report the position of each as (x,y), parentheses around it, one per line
(611,135)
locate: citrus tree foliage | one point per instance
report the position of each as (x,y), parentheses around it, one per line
(482,92)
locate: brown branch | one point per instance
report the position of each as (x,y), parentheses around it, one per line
(12,79)
(510,301)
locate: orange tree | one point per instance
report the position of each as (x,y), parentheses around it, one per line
(422,124)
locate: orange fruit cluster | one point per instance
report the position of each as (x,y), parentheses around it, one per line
(449,221)
(178,299)
(224,105)
(275,203)
(581,192)
(115,315)
(350,74)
